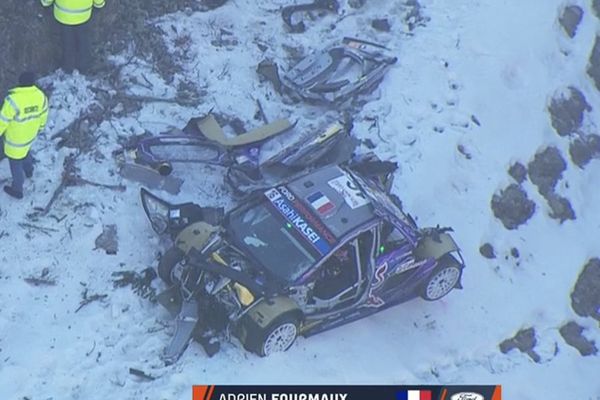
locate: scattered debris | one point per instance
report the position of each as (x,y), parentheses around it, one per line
(487,250)
(546,169)
(572,333)
(512,206)
(593,69)
(140,282)
(570,18)
(141,374)
(414,17)
(475,120)
(46,231)
(525,341)
(44,279)
(339,73)
(585,298)
(381,24)
(518,171)
(356,3)
(89,299)
(317,5)
(566,112)
(70,177)
(583,149)
(108,240)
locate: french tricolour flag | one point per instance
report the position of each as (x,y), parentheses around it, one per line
(414,395)
(320,202)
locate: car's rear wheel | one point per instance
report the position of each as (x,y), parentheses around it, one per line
(167,263)
(444,278)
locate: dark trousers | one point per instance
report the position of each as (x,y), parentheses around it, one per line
(18,169)
(76,44)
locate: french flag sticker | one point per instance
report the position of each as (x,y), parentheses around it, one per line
(414,395)
(320,202)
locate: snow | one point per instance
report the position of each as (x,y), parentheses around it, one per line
(499,61)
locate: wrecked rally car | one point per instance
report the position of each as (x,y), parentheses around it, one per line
(317,251)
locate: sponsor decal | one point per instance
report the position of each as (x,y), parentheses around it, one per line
(467,396)
(320,203)
(282,204)
(414,395)
(310,217)
(353,196)
(379,275)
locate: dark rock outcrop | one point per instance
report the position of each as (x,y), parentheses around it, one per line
(512,206)
(566,112)
(585,298)
(572,333)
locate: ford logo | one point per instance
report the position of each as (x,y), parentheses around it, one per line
(467,396)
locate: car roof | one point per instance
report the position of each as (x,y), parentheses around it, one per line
(335,198)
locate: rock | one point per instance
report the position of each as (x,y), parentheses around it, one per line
(582,150)
(546,169)
(514,252)
(596,7)
(572,333)
(593,69)
(512,206)
(570,19)
(525,341)
(108,240)
(566,113)
(518,171)
(561,208)
(381,25)
(487,251)
(585,298)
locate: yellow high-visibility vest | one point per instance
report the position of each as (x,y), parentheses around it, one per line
(23,114)
(73,12)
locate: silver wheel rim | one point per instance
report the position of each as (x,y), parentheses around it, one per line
(280,339)
(442,283)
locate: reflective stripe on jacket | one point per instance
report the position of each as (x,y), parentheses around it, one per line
(73,12)
(23,114)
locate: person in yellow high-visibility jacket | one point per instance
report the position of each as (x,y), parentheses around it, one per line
(73,17)
(23,115)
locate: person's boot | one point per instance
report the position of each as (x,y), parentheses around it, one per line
(13,192)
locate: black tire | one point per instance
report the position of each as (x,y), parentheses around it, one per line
(167,262)
(264,341)
(446,276)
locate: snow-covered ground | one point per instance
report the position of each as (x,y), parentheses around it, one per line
(498,61)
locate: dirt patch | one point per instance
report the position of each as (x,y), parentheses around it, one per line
(567,110)
(585,298)
(512,206)
(129,30)
(525,341)
(570,18)
(572,333)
